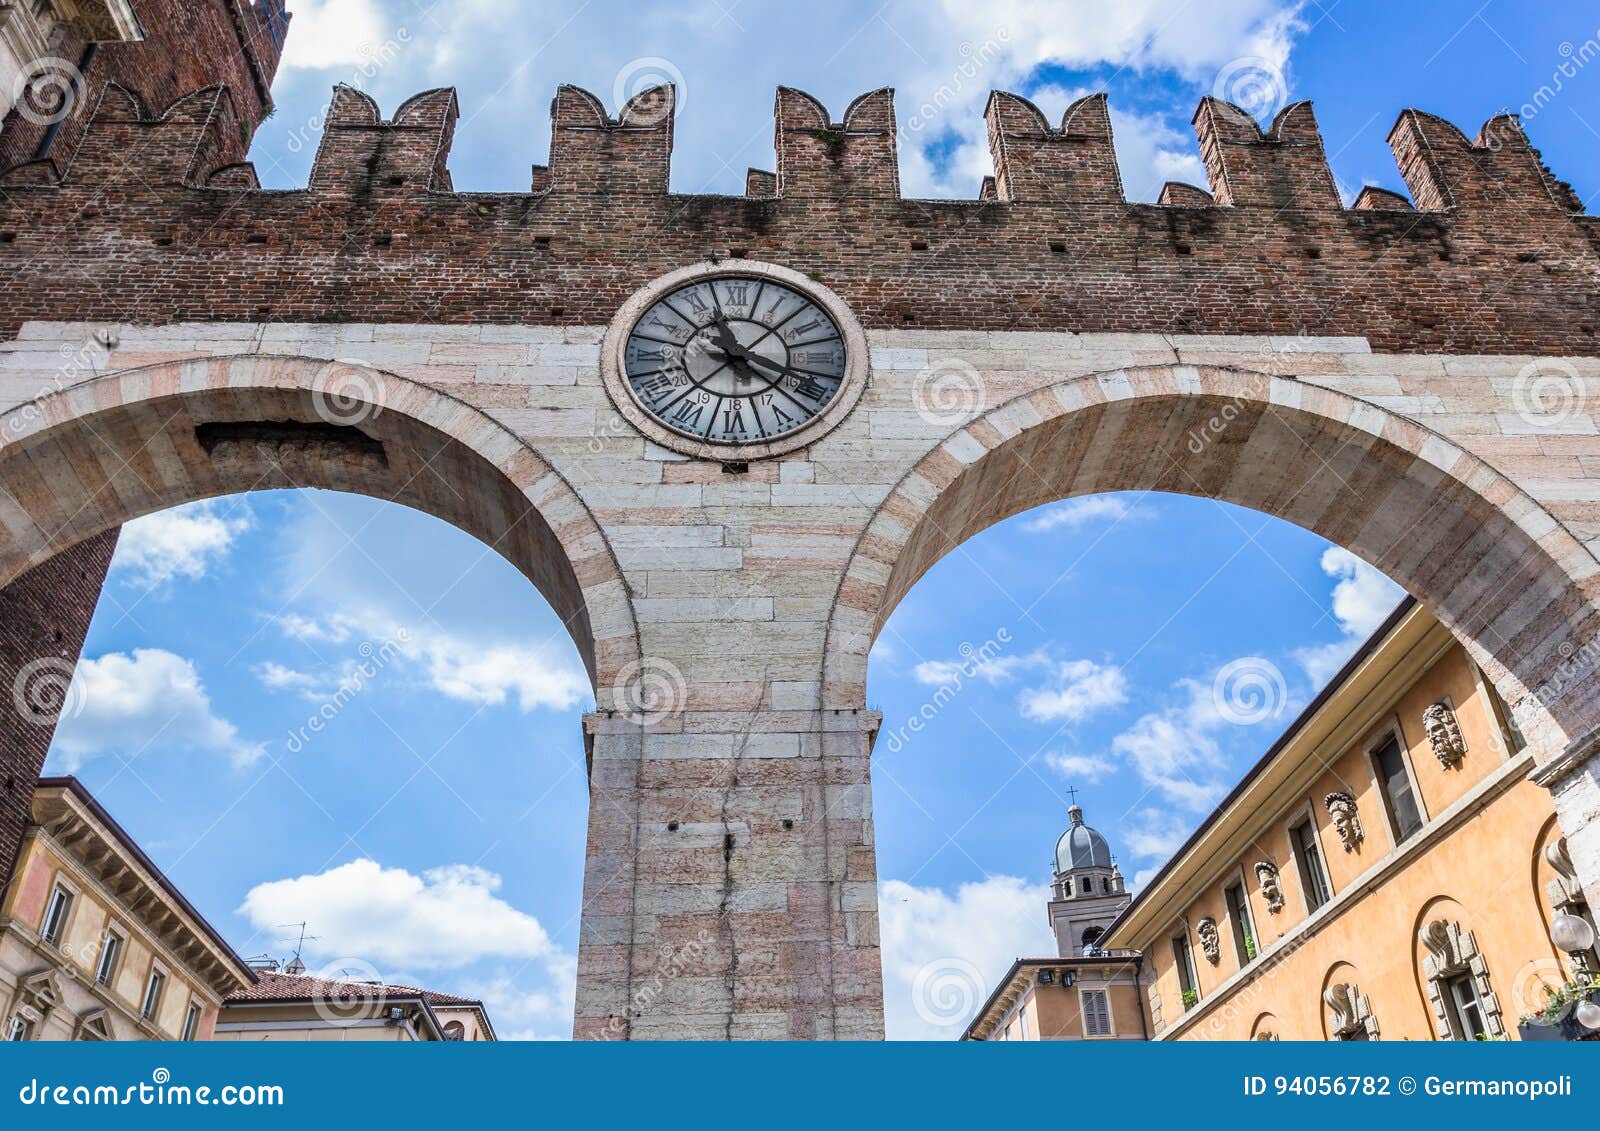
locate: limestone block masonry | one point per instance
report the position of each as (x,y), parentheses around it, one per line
(1409,383)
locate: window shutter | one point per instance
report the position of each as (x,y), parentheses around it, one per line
(1096,1014)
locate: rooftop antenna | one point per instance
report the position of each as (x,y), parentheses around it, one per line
(296,965)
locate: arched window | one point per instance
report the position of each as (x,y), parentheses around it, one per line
(1091,939)
(1350,1016)
(455,1031)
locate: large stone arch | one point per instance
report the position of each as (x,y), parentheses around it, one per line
(1512,583)
(77,462)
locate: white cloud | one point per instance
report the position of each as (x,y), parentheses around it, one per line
(1362,599)
(942,955)
(465,669)
(1080,767)
(1175,752)
(993,670)
(1075,513)
(443,919)
(149,701)
(1154,834)
(521,1012)
(335,33)
(182,542)
(1077,689)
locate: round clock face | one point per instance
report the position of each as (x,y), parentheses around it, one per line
(734,359)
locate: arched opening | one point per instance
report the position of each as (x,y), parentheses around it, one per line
(123,445)
(224,440)
(1387,496)
(1498,571)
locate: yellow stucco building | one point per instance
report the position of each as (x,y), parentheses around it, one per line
(95,943)
(1386,871)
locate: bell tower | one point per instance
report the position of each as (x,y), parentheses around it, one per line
(1088,891)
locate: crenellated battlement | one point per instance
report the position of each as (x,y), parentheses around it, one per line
(1491,250)
(1074,163)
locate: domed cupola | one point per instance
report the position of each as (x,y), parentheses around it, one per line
(1080,846)
(1088,891)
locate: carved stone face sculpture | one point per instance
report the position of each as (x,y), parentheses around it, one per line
(1439,721)
(1271,889)
(1346,820)
(1210,939)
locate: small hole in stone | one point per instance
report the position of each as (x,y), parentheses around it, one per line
(1313,253)
(672,826)
(382,241)
(557,311)
(738,252)
(787,824)
(541,241)
(919,245)
(257,237)
(1058,246)
(163,241)
(396,181)
(8,237)
(1183,249)
(907,316)
(735,467)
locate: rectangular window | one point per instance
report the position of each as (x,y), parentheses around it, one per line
(20,1029)
(152,995)
(1244,936)
(1466,1008)
(110,952)
(1184,961)
(55,916)
(1403,811)
(1312,879)
(1096,1014)
(191,1022)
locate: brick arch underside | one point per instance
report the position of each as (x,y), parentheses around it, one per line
(128,444)
(1513,584)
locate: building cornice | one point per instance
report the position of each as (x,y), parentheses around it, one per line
(1505,776)
(99,853)
(1353,703)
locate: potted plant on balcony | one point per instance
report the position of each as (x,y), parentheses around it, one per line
(1571,1014)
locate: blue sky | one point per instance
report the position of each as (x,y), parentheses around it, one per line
(432,829)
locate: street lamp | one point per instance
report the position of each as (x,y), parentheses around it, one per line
(1574,935)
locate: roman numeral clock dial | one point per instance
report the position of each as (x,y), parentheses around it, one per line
(735,360)
(735,363)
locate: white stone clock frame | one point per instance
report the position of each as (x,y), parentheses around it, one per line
(614,371)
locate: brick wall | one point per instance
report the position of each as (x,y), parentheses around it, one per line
(44,617)
(1495,258)
(188,44)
